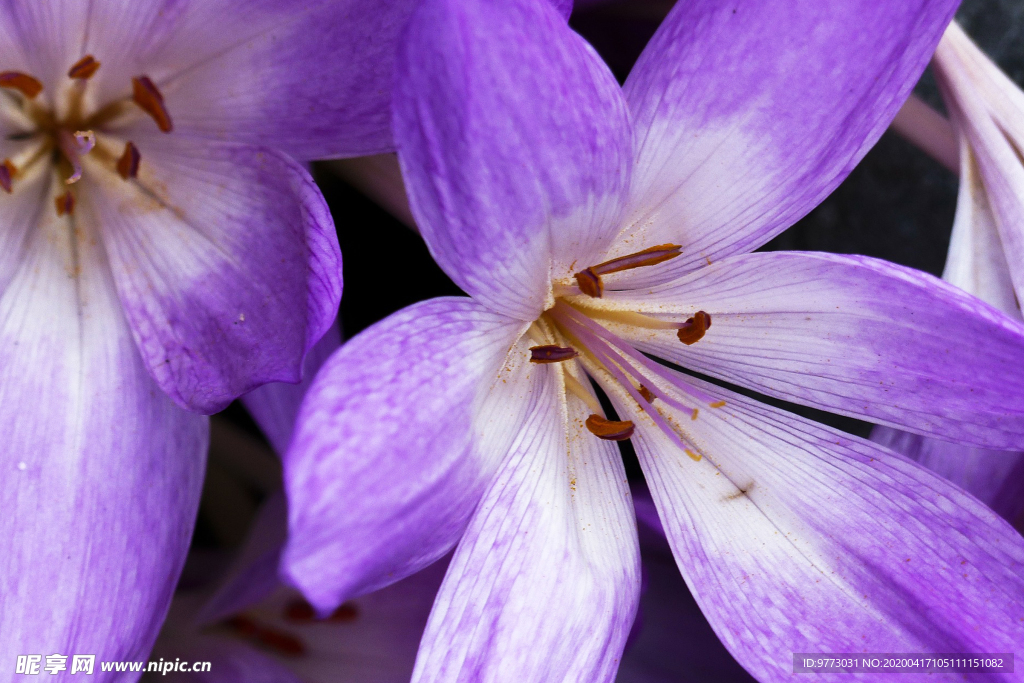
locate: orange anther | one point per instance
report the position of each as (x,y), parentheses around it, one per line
(148,97)
(28,86)
(128,164)
(609,430)
(551,353)
(84,68)
(65,204)
(695,328)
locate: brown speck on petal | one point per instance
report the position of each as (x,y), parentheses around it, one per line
(695,328)
(609,430)
(148,97)
(346,612)
(128,164)
(590,283)
(84,68)
(717,404)
(28,86)
(646,393)
(551,353)
(65,204)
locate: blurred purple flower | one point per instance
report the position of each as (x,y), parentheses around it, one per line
(164,253)
(986,251)
(434,427)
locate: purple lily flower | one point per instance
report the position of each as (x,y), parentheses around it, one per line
(164,253)
(593,225)
(986,251)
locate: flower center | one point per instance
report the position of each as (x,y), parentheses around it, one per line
(61,136)
(574,334)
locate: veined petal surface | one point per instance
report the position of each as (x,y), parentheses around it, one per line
(515,146)
(102,472)
(397,439)
(795,537)
(310,78)
(748,115)
(226,262)
(848,334)
(545,583)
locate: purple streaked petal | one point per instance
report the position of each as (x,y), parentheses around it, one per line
(226,262)
(396,441)
(748,116)
(996,478)
(852,335)
(275,406)
(102,472)
(310,78)
(515,146)
(795,537)
(545,583)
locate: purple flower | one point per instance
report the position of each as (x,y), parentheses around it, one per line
(593,226)
(164,253)
(986,251)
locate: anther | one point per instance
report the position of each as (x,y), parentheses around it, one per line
(65,204)
(299,610)
(552,353)
(128,164)
(693,456)
(609,430)
(84,68)
(695,328)
(148,97)
(7,171)
(589,279)
(25,84)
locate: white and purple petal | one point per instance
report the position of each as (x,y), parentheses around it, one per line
(515,146)
(748,115)
(848,334)
(795,537)
(102,472)
(545,583)
(395,443)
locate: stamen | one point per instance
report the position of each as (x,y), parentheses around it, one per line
(7,171)
(128,164)
(84,68)
(65,204)
(589,279)
(580,392)
(609,430)
(551,353)
(74,147)
(148,97)
(695,328)
(28,86)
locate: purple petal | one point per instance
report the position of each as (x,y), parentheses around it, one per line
(546,581)
(748,116)
(515,147)
(795,537)
(996,478)
(102,472)
(398,436)
(226,261)
(852,335)
(275,406)
(310,78)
